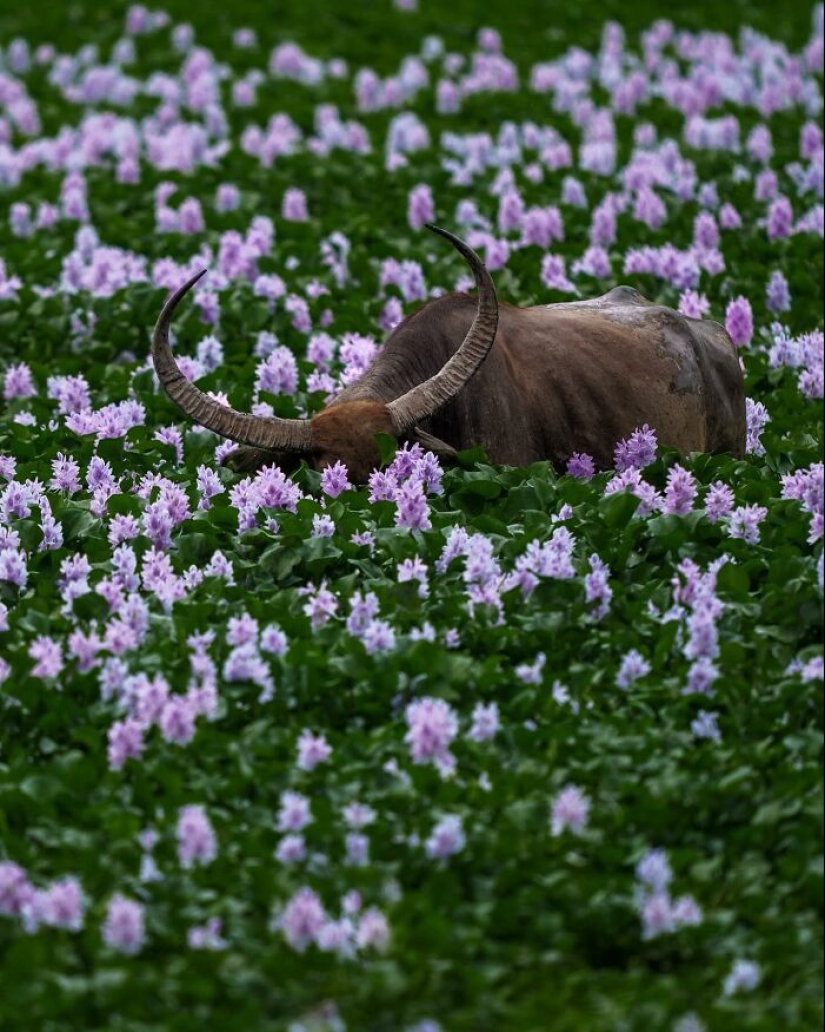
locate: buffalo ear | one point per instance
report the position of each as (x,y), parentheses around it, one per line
(439,448)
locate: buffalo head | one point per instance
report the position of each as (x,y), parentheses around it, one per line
(345,431)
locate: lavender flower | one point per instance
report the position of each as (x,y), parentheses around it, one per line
(739,321)
(780,219)
(745,521)
(680,492)
(312,750)
(581,465)
(718,501)
(638,451)
(446,839)
(597,587)
(486,722)
(693,305)
(570,811)
(303,918)
(294,814)
(197,843)
(706,725)
(745,976)
(124,929)
(778,293)
(757,417)
(125,742)
(291,850)
(433,725)
(654,871)
(420,206)
(294,206)
(334,480)
(18,382)
(633,667)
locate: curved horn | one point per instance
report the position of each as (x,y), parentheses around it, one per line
(428,397)
(268,434)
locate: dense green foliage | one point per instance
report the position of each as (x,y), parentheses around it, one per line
(522,930)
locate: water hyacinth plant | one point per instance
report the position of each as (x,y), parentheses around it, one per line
(468,749)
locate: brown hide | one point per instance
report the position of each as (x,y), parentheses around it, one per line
(571,377)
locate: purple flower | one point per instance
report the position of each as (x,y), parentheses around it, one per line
(294,206)
(701,677)
(649,208)
(532,673)
(594,262)
(687,913)
(413,511)
(18,382)
(780,219)
(572,193)
(227,198)
(633,667)
(302,919)
(197,843)
(705,231)
(745,521)
(373,930)
(206,937)
(570,811)
(124,929)
(312,750)
(15,890)
(358,815)
(486,722)
(61,905)
(420,206)
(657,916)
(510,211)
(581,465)
(739,321)
(378,636)
(414,570)
(291,849)
(654,870)
(433,724)
(49,657)
(745,976)
(729,217)
(65,474)
(637,451)
(446,839)
(177,720)
(680,492)
(125,742)
(278,373)
(334,480)
(358,849)
(597,587)
(778,293)
(554,274)
(706,725)
(320,606)
(541,226)
(274,641)
(294,814)
(757,419)
(693,305)
(190,216)
(760,144)
(766,186)
(718,501)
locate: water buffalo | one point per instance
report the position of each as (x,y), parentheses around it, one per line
(523,383)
